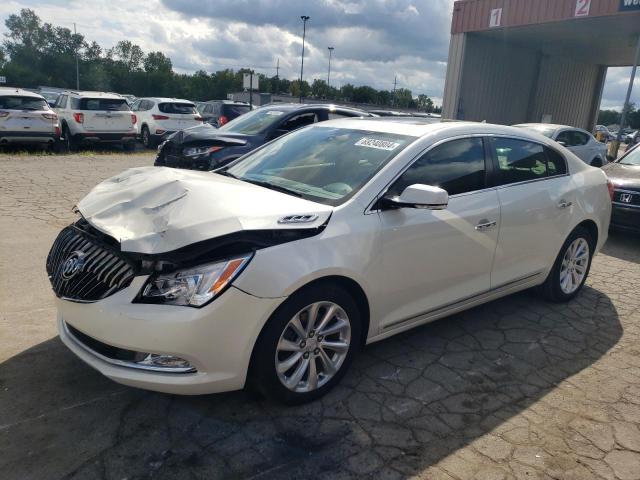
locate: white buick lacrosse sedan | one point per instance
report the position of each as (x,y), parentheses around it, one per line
(273,271)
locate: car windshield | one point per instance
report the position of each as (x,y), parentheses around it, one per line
(322,164)
(541,129)
(109,104)
(16,102)
(253,122)
(175,107)
(633,158)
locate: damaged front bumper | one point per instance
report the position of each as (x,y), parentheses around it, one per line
(216,341)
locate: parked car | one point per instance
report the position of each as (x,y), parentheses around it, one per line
(50,97)
(604,132)
(207,148)
(579,141)
(96,117)
(221,112)
(273,271)
(624,174)
(632,138)
(158,117)
(26,118)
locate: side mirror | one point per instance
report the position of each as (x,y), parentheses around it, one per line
(419,196)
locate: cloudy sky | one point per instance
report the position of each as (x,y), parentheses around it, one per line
(374,40)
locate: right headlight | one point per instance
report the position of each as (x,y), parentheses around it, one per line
(193,287)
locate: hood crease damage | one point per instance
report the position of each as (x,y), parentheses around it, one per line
(152,210)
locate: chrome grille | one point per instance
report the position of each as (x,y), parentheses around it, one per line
(100,270)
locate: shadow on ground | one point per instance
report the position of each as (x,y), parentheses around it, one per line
(407,403)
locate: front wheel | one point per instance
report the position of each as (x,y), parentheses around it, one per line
(571,267)
(307,345)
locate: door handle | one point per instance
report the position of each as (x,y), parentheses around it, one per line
(564,204)
(485,225)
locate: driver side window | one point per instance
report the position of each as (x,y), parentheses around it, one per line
(457,166)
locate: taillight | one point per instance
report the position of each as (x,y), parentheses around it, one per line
(3,114)
(198,118)
(160,117)
(134,119)
(611,188)
(222,120)
(57,131)
(78,117)
(50,116)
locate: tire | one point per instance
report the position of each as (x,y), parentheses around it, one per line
(596,162)
(300,350)
(147,139)
(553,288)
(69,144)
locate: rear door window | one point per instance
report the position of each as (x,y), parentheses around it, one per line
(519,160)
(17,102)
(177,108)
(102,104)
(556,164)
(298,121)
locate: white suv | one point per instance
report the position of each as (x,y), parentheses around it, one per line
(162,116)
(25,117)
(91,117)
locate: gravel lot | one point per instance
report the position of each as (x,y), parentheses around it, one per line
(516,389)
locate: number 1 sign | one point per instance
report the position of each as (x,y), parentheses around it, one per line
(582,8)
(495,20)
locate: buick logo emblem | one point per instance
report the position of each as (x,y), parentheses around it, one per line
(72,265)
(626,197)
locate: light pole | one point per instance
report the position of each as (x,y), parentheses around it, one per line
(329,72)
(304,19)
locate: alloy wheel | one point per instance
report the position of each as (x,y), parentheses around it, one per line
(313,346)
(574,265)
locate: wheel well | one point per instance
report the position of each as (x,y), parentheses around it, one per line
(596,162)
(592,228)
(356,291)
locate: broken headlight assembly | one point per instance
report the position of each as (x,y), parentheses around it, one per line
(197,151)
(195,286)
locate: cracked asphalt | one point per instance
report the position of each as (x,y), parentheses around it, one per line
(515,389)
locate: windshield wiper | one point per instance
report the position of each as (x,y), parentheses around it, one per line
(271,186)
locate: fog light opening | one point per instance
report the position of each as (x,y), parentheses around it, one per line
(162,361)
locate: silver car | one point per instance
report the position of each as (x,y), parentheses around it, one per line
(25,118)
(580,142)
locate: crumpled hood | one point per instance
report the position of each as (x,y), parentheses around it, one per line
(206,133)
(155,209)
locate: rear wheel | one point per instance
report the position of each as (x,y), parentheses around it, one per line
(307,345)
(596,162)
(147,140)
(571,267)
(68,141)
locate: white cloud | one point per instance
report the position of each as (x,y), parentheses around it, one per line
(374,40)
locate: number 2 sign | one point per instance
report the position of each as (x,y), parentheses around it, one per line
(495,20)
(582,8)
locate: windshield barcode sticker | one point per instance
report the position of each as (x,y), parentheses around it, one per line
(375,143)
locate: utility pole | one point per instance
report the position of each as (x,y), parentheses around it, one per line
(277,85)
(77,67)
(304,19)
(250,90)
(393,99)
(625,109)
(329,72)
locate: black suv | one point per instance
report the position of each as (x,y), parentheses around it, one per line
(206,148)
(220,112)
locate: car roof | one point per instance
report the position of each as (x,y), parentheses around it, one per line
(92,94)
(547,125)
(290,107)
(166,100)
(6,91)
(228,102)
(422,127)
